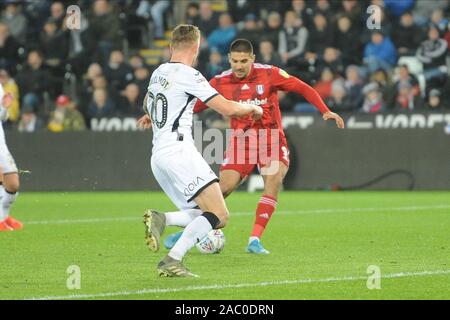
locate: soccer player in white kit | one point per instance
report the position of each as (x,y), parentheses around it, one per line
(177,165)
(9,177)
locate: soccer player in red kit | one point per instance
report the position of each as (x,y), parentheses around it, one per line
(254,83)
(251,82)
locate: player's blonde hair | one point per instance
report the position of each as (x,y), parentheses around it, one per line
(184,35)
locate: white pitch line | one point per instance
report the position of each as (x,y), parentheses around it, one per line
(238,286)
(248,213)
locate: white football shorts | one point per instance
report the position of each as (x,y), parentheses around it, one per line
(182,173)
(7,163)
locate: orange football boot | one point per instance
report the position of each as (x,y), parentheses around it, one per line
(13,223)
(4,226)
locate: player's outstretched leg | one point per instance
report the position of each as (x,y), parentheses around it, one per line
(215,215)
(155,223)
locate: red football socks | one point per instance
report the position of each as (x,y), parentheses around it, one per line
(264,211)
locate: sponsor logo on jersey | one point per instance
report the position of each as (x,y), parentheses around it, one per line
(245,87)
(256,101)
(264,215)
(284,74)
(190,188)
(260,89)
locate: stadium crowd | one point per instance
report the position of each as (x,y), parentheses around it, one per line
(62,77)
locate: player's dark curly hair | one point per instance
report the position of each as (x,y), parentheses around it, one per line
(241,45)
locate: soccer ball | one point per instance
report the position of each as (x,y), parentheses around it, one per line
(213,242)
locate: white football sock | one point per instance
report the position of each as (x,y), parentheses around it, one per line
(181,218)
(7,201)
(194,232)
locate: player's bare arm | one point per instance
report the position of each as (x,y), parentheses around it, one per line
(230,108)
(144,122)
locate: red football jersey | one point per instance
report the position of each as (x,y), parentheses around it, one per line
(261,87)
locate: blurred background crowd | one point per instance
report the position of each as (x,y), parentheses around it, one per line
(62,78)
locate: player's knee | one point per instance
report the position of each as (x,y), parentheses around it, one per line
(12,186)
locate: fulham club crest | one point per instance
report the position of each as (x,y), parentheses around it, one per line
(260,89)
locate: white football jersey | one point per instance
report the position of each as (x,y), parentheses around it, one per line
(3,116)
(172,93)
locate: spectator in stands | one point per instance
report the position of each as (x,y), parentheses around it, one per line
(432,53)
(320,37)
(208,19)
(136,61)
(352,10)
(379,53)
(54,46)
(434,102)
(66,117)
(373,101)
(9,55)
(221,38)
(101,106)
(386,87)
(404,76)
(438,18)
(141,76)
(29,121)
(292,39)
(406,100)
(267,55)
(239,10)
(106,29)
(117,71)
(302,11)
(192,13)
(272,29)
(15,20)
(81,47)
(346,39)
(398,8)
(33,81)
(407,36)
(58,13)
(353,85)
(10,86)
(250,31)
(331,59)
(215,65)
(130,104)
(323,86)
(156,10)
(323,8)
(339,100)
(423,9)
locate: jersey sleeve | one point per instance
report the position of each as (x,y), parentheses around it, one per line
(196,85)
(281,80)
(3,111)
(200,105)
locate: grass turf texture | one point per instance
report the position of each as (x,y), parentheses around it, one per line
(321,246)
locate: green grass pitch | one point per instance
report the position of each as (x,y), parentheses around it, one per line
(321,247)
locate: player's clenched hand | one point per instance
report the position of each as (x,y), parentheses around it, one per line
(7,100)
(144,122)
(257,112)
(331,115)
